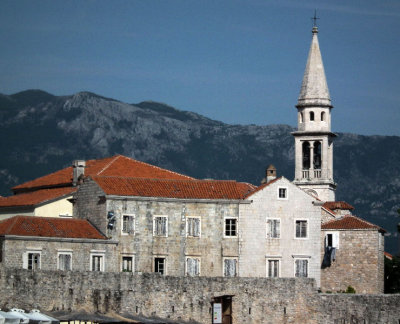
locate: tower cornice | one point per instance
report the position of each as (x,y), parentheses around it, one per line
(312,133)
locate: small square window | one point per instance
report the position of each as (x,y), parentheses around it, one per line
(193,226)
(192,266)
(230,227)
(127,264)
(282,193)
(230,267)
(34,261)
(65,261)
(301,268)
(273,268)
(97,262)
(128,224)
(160,226)
(301,229)
(159,265)
(273,228)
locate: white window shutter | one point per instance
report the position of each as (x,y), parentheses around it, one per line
(335,240)
(278,230)
(25,261)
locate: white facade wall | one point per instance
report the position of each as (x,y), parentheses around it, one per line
(254,247)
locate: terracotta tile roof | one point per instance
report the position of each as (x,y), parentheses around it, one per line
(49,227)
(350,222)
(35,197)
(118,165)
(332,205)
(256,189)
(388,255)
(167,188)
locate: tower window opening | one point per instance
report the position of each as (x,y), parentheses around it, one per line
(323,116)
(317,155)
(301,117)
(306,155)
(311,115)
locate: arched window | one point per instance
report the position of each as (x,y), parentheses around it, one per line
(301,117)
(323,116)
(306,155)
(317,155)
(311,115)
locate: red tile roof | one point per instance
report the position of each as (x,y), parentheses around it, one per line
(35,197)
(49,227)
(167,188)
(332,205)
(388,255)
(350,222)
(118,165)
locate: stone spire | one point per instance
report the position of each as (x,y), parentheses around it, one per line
(314,89)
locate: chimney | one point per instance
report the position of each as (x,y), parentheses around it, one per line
(78,171)
(270,174)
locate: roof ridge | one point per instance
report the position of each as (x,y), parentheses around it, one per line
(329,211)
(159,168)
(109,163)
(170,180)
(13,222)
(362,220)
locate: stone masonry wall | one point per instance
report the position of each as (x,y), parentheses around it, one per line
(186,299)
(14,252)
(90,205)
(359,262)
(211,247)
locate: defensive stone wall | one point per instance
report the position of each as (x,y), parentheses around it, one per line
(188,300)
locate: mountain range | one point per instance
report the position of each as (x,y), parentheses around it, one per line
(41,133)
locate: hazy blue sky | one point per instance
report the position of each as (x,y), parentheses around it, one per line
(238,61)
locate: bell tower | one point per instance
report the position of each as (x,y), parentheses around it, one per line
(313,138)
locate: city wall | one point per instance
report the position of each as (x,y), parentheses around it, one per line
(188,300)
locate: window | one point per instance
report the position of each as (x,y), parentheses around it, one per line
(311,115)
(273,228)
(230,267)
(193,227)
(301,117)
(160,226)
(160,265)
(322,116)
(273,268)
(127,264)
(282,193)
(301,229)
(192,266)
(96,262)
(230,227)
(33,260)
(128,224)
(332,240)
(301,268)
(64,261)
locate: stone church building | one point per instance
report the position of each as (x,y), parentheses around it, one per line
(148,219)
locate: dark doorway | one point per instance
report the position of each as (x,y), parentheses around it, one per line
(222,309)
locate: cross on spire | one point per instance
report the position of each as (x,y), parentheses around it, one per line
(315,18)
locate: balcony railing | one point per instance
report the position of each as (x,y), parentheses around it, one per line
(316,174)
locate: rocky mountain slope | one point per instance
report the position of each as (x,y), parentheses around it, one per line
(41,133)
